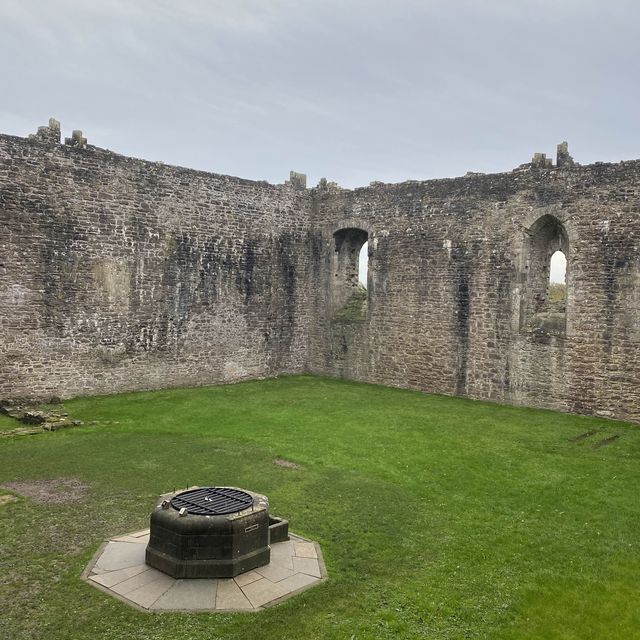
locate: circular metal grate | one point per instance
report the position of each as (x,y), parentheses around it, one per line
(212,501)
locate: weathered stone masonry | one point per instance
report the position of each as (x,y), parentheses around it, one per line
(120,274)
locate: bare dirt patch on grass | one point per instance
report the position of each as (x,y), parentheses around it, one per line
(286,464)
(54,491)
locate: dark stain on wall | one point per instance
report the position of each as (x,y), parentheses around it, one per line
(58,263)
(209,272)
(461,309)
(245,269)
(178,282)
(285,259)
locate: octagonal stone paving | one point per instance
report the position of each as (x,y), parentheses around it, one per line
(118,568)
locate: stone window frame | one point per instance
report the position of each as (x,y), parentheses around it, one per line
(544,232)
(345,238)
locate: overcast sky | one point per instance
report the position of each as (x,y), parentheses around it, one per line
(353,90)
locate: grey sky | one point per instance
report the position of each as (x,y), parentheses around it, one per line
(352,90)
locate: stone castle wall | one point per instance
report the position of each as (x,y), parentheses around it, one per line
(119,274)
(453,273)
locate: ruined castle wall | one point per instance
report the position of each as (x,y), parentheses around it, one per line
(448,278)
(119,274)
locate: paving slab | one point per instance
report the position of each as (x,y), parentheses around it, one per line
(263,591)
(112,578)
(285,562)
(189,595)
(310,566)
(305,549)
(148,593)
(297,581)
(131,539)
(137,581)
(282,555)
(119,568)
(120,555)
(246,578)
(282,549)
(230,596)
(274,572)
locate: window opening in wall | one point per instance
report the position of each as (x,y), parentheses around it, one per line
(363,265)
(348,293)
(544,291)
(558,282)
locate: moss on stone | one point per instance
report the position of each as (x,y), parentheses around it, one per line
(355,309)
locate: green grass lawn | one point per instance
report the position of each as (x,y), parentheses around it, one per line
(438,517)
(7,423)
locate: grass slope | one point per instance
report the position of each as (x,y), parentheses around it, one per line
(438,517)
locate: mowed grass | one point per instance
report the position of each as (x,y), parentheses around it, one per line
(438,517)
(7,423)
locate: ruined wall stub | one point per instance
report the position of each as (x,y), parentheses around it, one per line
(120,274)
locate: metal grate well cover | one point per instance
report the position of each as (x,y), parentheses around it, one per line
(212,501)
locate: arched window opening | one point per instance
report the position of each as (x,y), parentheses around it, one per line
(544,291)
(350,274)
(557,294)
(363,265)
